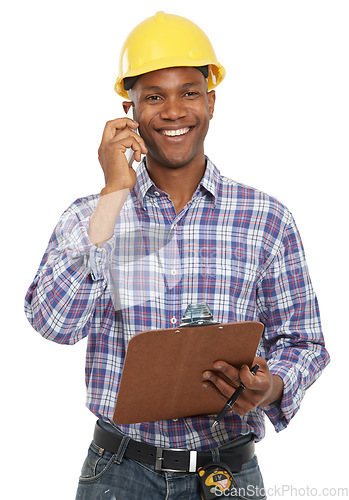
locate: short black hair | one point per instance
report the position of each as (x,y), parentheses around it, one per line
(129,82)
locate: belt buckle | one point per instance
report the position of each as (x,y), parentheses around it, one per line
(193,454)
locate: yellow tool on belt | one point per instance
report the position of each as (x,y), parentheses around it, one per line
(216,480)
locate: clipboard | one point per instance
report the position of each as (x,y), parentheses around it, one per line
(162,374)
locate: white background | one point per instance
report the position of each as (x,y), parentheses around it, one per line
(281,125)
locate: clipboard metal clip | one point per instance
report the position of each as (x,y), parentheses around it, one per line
(198,315)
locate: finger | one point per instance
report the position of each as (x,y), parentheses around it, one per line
(224,387)
(249,380)
(229,371)
(243,406)
(138,148)
(130,143)
(129,133)
(213,388)
(247,401)
(111,128)
(115,147)
(111,151)
(255,382)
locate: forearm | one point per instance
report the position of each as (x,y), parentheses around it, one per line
(103,219)
(71,278)
(120,178)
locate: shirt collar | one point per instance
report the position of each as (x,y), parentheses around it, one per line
(209,181)
(211,178)
(143,183)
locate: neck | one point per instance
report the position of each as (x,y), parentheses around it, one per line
(179,183)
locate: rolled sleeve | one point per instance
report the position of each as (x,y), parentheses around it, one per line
(71,278)
(293,340)
(98,260)
(297,378)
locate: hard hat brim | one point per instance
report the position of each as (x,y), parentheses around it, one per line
(216,73)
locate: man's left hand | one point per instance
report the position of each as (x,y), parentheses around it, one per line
(261,389)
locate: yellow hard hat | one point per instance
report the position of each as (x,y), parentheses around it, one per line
(166,41)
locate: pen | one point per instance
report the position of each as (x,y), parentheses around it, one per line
(229,404)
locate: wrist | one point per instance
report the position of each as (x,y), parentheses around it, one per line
(276,391)
(113,188)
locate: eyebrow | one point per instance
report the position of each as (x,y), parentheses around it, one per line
(182,86)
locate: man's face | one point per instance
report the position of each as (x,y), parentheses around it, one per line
(173,109)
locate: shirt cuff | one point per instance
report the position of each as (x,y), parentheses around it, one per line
(99,259)
(95,260)
(281,412)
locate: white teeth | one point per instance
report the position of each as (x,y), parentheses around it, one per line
(180,131)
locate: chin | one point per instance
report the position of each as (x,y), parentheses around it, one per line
(175,163)
(175,160)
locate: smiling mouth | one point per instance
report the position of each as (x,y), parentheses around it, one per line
(175,133)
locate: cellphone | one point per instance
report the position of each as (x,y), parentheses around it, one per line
(130,155)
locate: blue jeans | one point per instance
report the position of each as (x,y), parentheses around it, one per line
(107,476)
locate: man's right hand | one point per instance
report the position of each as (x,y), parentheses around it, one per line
(118,136)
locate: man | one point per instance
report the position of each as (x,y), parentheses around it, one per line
(230,246)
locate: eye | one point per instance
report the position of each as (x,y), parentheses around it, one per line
(153,98)
(191,94)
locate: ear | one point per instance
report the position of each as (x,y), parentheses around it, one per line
(211,97)
(127,106)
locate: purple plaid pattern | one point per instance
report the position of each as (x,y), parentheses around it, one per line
(233,247)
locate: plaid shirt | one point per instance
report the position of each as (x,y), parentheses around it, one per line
(233,247)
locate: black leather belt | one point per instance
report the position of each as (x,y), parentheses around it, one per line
(234,454)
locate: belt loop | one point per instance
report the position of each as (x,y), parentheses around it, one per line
(122,449)
(215,455)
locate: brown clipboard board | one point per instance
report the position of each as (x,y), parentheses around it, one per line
(162,374)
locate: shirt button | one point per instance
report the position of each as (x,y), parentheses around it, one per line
(156,193)
(173,272)
(173,320)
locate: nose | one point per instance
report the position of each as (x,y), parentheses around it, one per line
(173,109)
